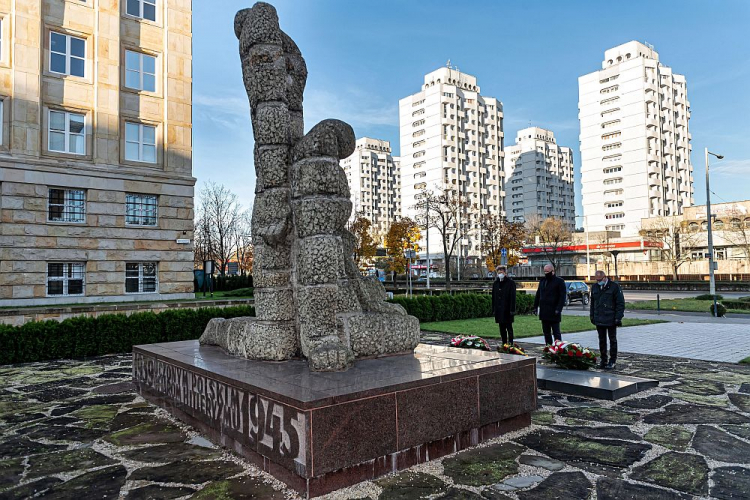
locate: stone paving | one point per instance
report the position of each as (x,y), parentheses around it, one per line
(726,342)
(76,429)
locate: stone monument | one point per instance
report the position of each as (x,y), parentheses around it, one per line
(245,384)
(310,298)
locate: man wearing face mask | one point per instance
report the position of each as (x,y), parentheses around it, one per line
(607,309)
(549,302)
(504,303)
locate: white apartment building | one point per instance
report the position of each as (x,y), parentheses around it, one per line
(635,141)
(452,139)
(375,183)
(539,178)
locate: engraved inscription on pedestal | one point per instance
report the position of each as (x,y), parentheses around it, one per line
(268,427)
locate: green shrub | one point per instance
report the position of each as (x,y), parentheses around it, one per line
(736,304)
(446,307)
(240,292)
(83,337)
(720,310)
(708,296)
(744,299)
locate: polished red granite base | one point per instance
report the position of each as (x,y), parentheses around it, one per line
(319,432)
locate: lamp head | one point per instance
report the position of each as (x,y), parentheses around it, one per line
(720,157)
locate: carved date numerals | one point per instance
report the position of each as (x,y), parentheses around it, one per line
(277,428)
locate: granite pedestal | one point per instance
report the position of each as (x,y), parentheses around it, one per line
(321,431)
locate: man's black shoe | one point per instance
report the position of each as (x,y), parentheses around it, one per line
(603,365)
(611,365)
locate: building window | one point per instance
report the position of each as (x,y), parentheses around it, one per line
(140,71)
(145,9)
(609,147)
(140,209)
(619,215)
(67,133)
(612,170)
(140,277)
(609,182)
(65,278)
(67,54)
(140,142)
(66,205)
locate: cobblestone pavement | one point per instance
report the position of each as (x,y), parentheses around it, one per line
(76,429)
(705,341)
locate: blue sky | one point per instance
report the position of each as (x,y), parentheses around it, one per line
(363,56)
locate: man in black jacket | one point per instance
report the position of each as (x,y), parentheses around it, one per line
(504,303)
(550,300)
(607,310)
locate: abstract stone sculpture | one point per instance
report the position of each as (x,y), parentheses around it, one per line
(310,298)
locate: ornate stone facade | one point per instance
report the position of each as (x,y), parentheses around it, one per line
(310,297)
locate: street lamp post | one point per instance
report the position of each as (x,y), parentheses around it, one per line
(709,219)
(588,255)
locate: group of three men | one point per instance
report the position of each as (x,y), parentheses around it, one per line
(607,308)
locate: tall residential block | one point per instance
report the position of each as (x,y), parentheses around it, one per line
(539,178)
(96,185)
(375,183)
(635,141)
(452,140)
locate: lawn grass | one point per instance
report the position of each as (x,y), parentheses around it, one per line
(688,305)
(220,295)
(524,326)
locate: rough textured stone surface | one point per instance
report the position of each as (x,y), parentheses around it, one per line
(299,220)
(572,449)
(617,489)
(604,415)
(483,465)
(695,414)
(648,403)
(568,485)
(680,471)
(544,463)
(101,483)
(410,486)
(718,445)
(676,438)
(187,471)
(244,488)
(730,482)
(66,461)
(154,492)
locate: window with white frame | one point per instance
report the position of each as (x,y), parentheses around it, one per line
(140,277)
(66,132)
(145,9)
(67,54)
(140,71)
(65,278)
(140,142)
(66,205)
(140,209)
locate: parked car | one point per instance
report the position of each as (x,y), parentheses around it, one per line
(577,291)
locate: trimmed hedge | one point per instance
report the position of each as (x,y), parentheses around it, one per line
(460,306)
(83,336)
(736,304)
(708,296)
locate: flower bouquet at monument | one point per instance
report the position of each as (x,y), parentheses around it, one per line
(570,355)
(511,349)
(470,342)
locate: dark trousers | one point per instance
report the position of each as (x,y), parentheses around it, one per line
(604,332)
(551,328)
(506,332)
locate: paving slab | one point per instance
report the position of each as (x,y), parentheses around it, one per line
(590,383)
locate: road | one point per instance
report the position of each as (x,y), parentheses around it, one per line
(639,295)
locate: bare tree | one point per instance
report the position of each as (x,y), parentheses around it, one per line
(219,211)
(498,233)
(451,216)
(673,237)
(243,242)
(553,234)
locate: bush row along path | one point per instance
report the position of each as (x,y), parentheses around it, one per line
(76,429)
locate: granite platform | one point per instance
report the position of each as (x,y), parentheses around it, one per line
(592,384)
(321,431)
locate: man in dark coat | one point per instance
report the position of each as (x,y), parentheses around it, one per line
(504,303)
(549,301)
(606,311)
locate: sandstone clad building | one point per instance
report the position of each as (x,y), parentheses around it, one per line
(96,186)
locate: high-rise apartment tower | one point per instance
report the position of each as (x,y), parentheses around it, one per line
(635,141)
(539,178)
(375,183)
(452,139)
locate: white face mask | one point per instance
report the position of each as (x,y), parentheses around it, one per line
(500,276)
